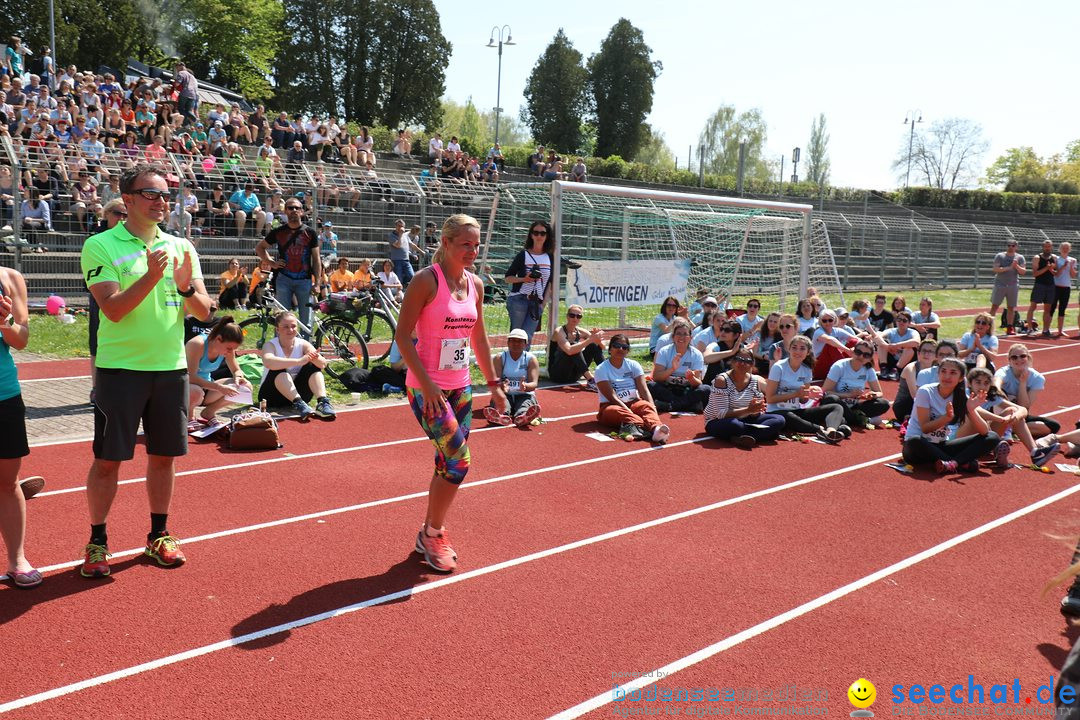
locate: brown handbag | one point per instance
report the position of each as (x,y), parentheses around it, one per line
(254,430)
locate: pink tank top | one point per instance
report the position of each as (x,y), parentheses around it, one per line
(443,330)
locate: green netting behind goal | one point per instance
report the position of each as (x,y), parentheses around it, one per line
(738,250)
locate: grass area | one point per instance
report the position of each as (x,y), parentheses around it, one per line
(53,339)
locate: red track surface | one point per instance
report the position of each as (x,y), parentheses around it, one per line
(539,634)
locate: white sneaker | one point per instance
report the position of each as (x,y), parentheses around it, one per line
(877,421)
(661,434)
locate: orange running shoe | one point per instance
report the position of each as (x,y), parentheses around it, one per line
(166,551)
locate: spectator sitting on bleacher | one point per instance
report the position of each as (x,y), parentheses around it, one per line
(536,161)
(84,201)
(202,139)
(365,147)
(328,241)
(435,146)
(7,197)
(218,115)
(431,185)
(489,171)
(130,147)
(554,171)
(36,217)
(281,131)
(145,121)
(494,154)
(362,276)
(345,147)
(114,128)
(319,144)
(341,280)
(246,204)
(348,196)
(296,153)
(579,173)
(218,210)
(258,126)
(379,187)
(234,286)
(239,123)
(403,144)
(217,139)
(155,152)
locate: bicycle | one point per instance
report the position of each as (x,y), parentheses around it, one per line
(369,311)
(336,339)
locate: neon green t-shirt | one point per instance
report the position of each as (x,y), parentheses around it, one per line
(150,337)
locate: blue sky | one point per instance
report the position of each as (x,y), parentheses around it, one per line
(1007,66)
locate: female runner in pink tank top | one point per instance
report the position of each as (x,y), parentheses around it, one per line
(444,305)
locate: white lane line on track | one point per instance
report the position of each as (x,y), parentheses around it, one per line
(776,621)
(304,456)
(54,379)
(442,582)
(277,629)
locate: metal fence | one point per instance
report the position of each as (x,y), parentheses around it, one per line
(880,247)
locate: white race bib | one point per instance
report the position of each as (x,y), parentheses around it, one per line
(513,385)
(627,394)
(454,354)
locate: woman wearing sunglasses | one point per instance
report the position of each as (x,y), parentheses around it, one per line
(573,351)
(1004,416)
(788,327)
(529,276)
(1022,384)
(677,373)
(831,343)
(853,383)
(737,407)
(977,346)
(939,407)
(625,400)
(945,349)
(791,394)
(905,391)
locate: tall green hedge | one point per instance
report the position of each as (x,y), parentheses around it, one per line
(988,200)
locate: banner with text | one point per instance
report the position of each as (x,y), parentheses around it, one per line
(622,283)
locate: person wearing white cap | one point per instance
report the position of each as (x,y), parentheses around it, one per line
(519,373)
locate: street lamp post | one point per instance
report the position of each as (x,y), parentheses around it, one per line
(498,32)
(910,119)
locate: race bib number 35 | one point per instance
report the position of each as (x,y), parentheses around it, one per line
(454,354)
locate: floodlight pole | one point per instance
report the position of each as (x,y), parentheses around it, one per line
(909,119)
(498,83)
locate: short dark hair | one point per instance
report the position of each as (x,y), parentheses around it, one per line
(129,177)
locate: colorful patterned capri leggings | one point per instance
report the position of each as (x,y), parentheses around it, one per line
(449,432)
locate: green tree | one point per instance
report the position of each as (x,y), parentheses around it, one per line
(1015,163)
(621,75)
(655,152)
(720,139)
(817,153)
(232,42)
(379,61)
(89,33)
(556,96)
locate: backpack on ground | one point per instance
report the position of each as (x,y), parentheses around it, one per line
(254,430)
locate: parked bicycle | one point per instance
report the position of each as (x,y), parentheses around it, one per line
(373,312)
(337,339)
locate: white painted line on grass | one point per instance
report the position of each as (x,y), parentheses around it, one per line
(442,582)
(776,621)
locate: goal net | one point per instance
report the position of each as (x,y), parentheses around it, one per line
(730,246)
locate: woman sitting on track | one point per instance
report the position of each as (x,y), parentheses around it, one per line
(831,343)
(444,306)
(625,400)
(205,353)
(944,349)
(977,346)
(768,336)
(662,322)
(939,405)
(677,385)
(1003,416)
(907,387)
(519,373)
(788,326)
(1022,383)
(736,409)
(926,321)
(718,354)
(709,332)
(854,384)
(899,304)
(807,316)
(572,350)
(292,371)
(790,388)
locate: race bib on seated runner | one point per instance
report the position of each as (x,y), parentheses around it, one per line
(454,354)
(627,394)
(513,385)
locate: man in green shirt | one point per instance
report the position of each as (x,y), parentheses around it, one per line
(143,279)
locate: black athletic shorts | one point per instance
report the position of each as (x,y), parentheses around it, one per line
(124,397)
(13,428)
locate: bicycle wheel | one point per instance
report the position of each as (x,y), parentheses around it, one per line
(257,330)
(342,345)
(378,329)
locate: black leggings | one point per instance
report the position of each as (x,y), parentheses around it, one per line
(920,451)
(679,398)
(902,406)
(808,420)
(1052,425)
(869,408)
(1061,301)
(563,368)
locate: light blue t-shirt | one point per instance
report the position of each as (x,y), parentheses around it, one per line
(926,376)
(789,381)
(1010,384)
(395,354)
(662,342)
(923,319)
(746,323)
(806,323)
(848,379)
(929,397)
(658,324)
(703,338)
(622,379)
(841,334)
(692,359)
(515,372)
(967,342)
(892,335)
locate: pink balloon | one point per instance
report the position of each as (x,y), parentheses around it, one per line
(208,163)
(55,304)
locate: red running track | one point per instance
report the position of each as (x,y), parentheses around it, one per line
(544,633)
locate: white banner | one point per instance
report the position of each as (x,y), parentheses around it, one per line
(622,283)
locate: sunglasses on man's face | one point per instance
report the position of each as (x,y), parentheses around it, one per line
(149,194)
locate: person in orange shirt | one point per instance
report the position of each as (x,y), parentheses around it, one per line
(341,279)
(234,287)
(259,277)
(362,276)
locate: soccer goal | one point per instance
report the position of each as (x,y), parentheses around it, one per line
(636,246)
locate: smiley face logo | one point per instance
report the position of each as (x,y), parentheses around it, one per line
(862,693)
